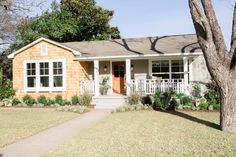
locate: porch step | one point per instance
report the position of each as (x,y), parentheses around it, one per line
(109,101)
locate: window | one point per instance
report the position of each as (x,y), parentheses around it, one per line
(45,75)
(166,69)
(57,74)
(177,69)
(161,69)
(31,75)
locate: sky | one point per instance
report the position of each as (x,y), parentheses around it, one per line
(143,18)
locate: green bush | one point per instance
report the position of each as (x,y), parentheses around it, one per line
(85,99)
(168,94)
(6,89)
(203,106)
(15,101)
(50,102)
(75,100)
(196,92)
(186,100)
(59,99)
(180,95)
(28,100)
(65,102)
(212,95)
(42,100)
(134,98)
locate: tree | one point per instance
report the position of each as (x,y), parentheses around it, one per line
(11,12)
(220,62)
(69,21)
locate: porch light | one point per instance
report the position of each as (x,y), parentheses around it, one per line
(132,67)
(105,68)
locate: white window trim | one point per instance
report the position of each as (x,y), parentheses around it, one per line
(45,89)
(170,67)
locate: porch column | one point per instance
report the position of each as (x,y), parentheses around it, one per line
(96,77)
(186,76)
(128,77)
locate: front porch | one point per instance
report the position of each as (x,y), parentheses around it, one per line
(138,75)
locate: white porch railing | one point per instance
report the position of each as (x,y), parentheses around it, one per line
(87,86)
(144,86)
(149,86)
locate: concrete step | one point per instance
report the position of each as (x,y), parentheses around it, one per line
(109,101)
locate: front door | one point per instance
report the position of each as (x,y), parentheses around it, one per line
(118,77)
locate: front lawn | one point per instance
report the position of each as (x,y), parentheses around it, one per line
(17,123)
(150,134)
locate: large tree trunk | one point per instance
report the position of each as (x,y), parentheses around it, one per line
(228,102)
(220,62)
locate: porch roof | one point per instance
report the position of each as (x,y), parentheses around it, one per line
(146,46)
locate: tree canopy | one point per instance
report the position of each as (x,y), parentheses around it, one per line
(71,20)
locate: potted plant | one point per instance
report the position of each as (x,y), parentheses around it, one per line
(104,85)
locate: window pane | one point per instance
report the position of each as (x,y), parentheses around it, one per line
(54,64)
(177,76)
(31,82)
(163,76)
(28,72)
(55,71)
(41,65)
(46,72)
(59,71)
(41,72)
(33,65)
(44,81)
(28,66)
(177,66)
(165,69)
(59,64)
(160,66)
(57,81)
(156,69)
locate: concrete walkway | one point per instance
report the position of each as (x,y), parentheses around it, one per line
(44,141)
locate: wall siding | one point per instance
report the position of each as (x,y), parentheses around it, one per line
(75,71)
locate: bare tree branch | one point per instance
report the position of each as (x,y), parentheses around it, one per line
(215,27)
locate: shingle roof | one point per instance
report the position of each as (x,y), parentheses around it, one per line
(137,46)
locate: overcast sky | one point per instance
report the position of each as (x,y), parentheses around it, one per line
(141,18)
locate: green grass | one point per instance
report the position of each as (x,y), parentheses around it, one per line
(150,134)
(16,124)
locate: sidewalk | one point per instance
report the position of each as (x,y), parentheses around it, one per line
(44,141)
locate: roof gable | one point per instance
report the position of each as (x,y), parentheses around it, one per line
(75,52)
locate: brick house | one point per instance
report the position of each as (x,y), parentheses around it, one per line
(46,67)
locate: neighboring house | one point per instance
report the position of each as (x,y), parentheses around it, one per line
(49,68)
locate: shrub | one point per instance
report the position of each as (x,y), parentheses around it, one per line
(75,100)
(212,95)
(196,92)
(28,100)
(203,105)
(59,99)
(134,98)
(186,100)
(65,102)
(42,100)
(168,95)
(6,89)
(147,100)
(180,95)
(15,101)
(50,102)
(85,99)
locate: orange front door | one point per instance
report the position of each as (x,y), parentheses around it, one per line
(118,77)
